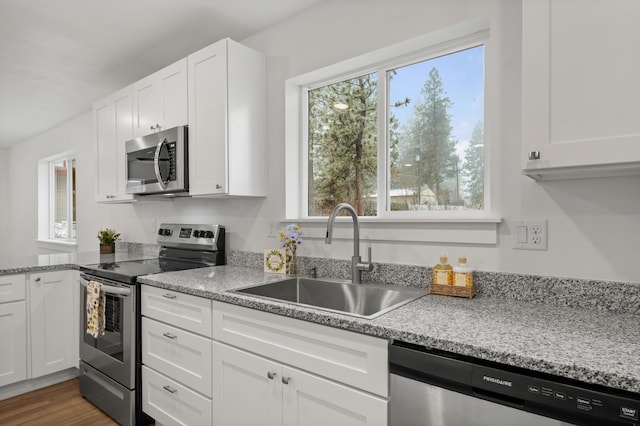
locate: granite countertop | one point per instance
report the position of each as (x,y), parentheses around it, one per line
(598,347)
(50,262)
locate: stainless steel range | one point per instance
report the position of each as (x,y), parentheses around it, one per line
(110,363)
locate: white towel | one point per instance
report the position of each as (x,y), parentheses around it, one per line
(95,309)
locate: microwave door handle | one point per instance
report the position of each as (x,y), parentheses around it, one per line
(156,164)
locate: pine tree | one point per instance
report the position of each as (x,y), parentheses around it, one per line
(343,145)
(474,167)
(427,140)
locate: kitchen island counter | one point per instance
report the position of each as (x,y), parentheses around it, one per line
(60,261)
(592,346)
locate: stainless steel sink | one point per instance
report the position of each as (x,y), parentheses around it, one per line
(361,300)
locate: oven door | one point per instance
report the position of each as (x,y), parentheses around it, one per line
(113,353)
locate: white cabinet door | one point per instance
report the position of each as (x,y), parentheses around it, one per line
(186,311)
(171,403)
(184,356)
(13,346)
(580,88)
(113,126)
(208,153)
(12,288)
(247,389)
(160,100)
(54,311)
(310,400)
(227,121)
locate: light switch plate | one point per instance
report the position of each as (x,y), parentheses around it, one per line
(530,235)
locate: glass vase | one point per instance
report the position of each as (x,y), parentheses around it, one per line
(293,269)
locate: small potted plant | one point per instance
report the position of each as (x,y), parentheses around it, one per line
(108,238)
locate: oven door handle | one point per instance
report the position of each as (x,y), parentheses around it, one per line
(108,289)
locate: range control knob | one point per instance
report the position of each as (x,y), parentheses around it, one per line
(160,231)
(209,234)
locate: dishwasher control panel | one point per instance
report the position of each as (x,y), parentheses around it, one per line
(539,393)
(554,394)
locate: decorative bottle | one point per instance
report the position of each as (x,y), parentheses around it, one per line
(443,272)
(462,273)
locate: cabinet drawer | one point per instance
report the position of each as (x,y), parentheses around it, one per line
(184,356)
(169,402)
(181,310)
(352,358)
(12,288)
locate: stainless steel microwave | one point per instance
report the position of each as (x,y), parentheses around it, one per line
(157,163)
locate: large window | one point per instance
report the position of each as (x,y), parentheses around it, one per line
(403,138)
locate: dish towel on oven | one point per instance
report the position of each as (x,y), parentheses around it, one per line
(95,309)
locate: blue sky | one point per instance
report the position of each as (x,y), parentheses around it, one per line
(462,75)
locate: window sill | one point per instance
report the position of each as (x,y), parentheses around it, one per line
(442,231)
(57,245)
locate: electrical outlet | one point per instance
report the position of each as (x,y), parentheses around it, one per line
(530,235)
(272,231)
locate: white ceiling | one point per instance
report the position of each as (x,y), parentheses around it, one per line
(58,56)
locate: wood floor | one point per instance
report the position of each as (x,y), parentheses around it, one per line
(59,404)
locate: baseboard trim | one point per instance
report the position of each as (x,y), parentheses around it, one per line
(25,386)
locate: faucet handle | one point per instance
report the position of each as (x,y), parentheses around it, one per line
(368,262)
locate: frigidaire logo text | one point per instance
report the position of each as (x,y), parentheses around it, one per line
(497,381)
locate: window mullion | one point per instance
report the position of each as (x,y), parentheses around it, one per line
(383,142)
(69,190)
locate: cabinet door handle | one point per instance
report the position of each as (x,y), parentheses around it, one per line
(170,336)
(534,155)
(286,380)
(271,375)
(170,389)
(37,279)
(169,296)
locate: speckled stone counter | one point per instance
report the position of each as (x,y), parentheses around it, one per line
(59,261)
(593,346)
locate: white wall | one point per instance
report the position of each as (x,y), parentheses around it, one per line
(588,219)
(4,202)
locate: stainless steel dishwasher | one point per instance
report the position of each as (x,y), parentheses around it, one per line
(435,388)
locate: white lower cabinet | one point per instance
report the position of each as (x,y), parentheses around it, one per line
(13,335)
(176,357)
(273,370)
(252,390)
(39,326)
(54,321)
(170,402)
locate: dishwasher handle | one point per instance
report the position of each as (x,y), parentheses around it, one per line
(419,365)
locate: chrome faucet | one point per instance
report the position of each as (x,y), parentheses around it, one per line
(357,266)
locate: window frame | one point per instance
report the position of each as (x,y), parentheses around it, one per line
(69,197)
(46,203)
(432,45)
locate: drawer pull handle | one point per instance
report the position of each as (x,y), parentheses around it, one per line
(286,380)
(169,296)
(170,389)
(170,336)
(271,375)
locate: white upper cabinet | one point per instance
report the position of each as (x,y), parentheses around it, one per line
(581,115)
(112,127)
(227,121)
(160,100)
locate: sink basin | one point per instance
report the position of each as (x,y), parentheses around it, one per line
(361,300)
